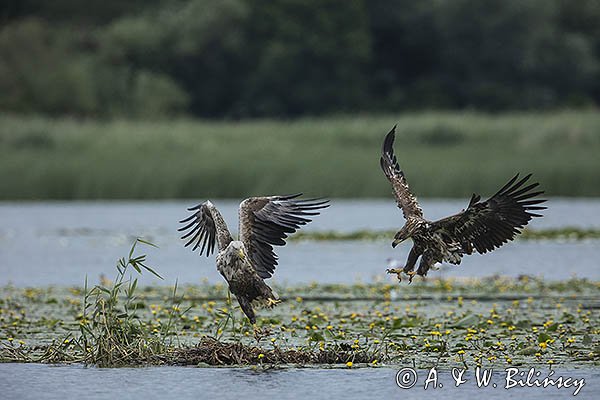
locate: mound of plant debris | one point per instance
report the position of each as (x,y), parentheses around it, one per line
(214,352)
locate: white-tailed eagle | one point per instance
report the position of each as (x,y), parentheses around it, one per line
(483,226)
(264,222)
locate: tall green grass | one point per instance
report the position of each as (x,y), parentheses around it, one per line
(443,154)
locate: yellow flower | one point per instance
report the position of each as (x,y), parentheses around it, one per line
(461,352)
(261,355)
(543,345)
(349,364)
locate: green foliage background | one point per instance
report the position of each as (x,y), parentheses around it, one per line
(284,58)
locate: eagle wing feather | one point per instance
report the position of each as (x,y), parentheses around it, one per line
(407,202)
(267,221)
(488,225)
(205,227)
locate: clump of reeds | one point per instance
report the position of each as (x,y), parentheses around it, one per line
(111,333)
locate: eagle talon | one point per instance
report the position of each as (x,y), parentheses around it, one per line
(398,273)
(411,275)
(272,302)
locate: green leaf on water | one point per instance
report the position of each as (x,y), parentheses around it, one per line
(523,324)
(316,337)
(529,351)
(543,337)
(467,321)
(586,339)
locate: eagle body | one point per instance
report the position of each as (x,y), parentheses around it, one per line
(264,222)
(244,283)
(482,227)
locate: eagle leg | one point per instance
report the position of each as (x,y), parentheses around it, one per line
(413,255)
(398,273)
(411,275)
(426,262)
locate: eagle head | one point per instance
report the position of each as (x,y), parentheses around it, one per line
(236,250)
(402,235)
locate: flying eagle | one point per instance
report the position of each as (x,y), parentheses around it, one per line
(264,222)
(483,226)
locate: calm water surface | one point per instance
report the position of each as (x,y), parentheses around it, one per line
(59,243)
(35,381)
(53,243)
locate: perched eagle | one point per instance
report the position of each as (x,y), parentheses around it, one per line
(245,263)
(483,226)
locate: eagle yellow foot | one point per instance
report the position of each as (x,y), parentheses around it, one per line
(411,275)
(272,302)
(395,271)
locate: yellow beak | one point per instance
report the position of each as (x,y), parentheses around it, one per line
(242,254)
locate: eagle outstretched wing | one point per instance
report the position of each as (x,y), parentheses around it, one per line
(207,227)
(487,225)
(267,221)
(405,199)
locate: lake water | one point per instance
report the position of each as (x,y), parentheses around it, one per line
(59,243)
(41,382)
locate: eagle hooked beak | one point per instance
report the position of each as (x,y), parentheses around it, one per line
(396,242)
(242,254)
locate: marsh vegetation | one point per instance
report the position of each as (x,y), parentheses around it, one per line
(439,322)
(443,154)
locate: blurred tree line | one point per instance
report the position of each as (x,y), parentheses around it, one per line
(282,58)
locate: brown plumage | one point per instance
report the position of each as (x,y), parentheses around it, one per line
(483,226)
(264,222)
